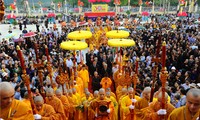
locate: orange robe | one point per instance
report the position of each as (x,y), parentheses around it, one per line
(85,77)
(18,110)
(150,113)
(79,86)
(58,107)
(86,103)
(95,105)
(125,103)
(66,105)
(74,103)
(27,101)
(139,105)
(183,113)
(106,82)
(47,112)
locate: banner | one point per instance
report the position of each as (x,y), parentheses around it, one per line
(100,8)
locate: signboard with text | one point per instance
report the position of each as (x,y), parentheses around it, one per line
(100,8)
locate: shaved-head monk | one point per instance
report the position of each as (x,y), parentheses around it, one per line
(155,111)
(143,102)
(55,103)
(44,111)
(191,111)
(11,108)
(64,101)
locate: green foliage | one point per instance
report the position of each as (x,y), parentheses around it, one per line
(128,12)
(14,23)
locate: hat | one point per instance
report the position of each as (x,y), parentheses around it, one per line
(173,68)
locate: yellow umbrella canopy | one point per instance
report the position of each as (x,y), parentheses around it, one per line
(79,35)
(121,43)
(117,34)
(73,45)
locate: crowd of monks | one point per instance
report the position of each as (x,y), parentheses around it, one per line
(102,105)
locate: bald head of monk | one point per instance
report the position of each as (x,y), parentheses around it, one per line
(193,100)
(96,94)
(124,91)
(38,100)
(160,97)
(108,94)
(6,94)
(87,94)
(130,92)
(58,93)
(146,93)
(102,93)
(49,93)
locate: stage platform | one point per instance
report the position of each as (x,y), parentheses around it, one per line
(99,14)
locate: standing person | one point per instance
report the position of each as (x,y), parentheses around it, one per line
(46,23)
(96,81)
(191,111)
(20,25)
(25,22)
(106,82)
(84,74)
(102,107)
(37,26)
(11,108)
(56,103)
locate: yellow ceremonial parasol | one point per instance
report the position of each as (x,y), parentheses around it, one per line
(73,45)
(121,43)
(117,34)
(79,35)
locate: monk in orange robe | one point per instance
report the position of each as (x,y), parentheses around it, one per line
(64,101)
(86,103)
(121,96)
(127,105)
(111,93)
(55,103)
(102,107)
(79,86)
(84,74)
(155,111)
(26,99)
(142,103)
(106,82)
(11,108)
(191,111)
(44,111)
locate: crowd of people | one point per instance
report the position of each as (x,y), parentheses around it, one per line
(101,89)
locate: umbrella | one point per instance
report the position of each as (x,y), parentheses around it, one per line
(29,34)
(73,45)
(11,16)
(182,14)
(51,15)
(19,40)
(140,27)
(11,35)
(117,34)
(145,13)
(79,35)
(121,42)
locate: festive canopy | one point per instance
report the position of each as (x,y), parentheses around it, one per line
(117,34)
(145,13)
(11,16)
(51,15)
(29,34)
(79,35)
(121,42)
(182,14)
(73,45)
